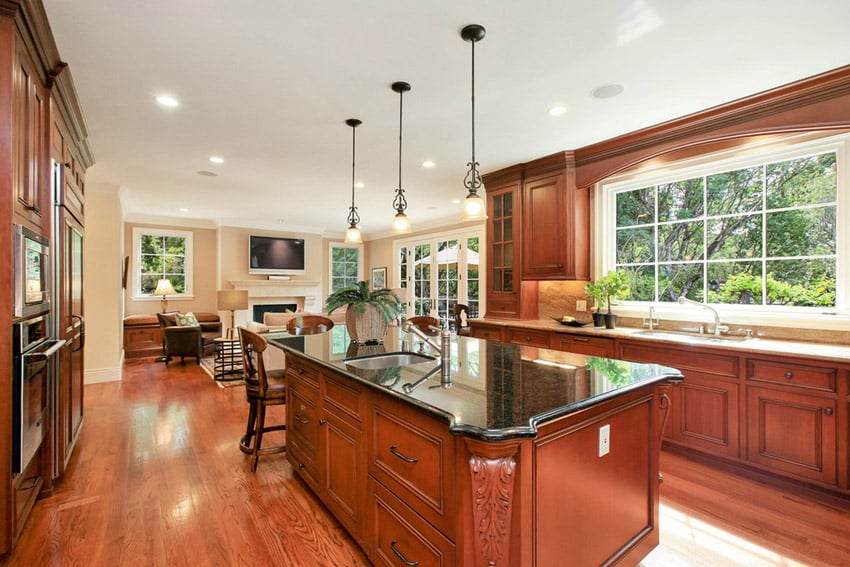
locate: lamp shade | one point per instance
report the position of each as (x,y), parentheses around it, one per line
(232,299)
(164,287)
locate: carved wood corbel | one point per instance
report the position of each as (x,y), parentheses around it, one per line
(492,469)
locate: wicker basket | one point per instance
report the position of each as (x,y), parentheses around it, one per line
(366,327)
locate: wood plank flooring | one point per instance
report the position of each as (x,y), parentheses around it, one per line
(158,480)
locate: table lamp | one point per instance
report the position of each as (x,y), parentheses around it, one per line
(164,288)
(231,300)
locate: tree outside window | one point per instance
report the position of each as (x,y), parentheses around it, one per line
(345,266)
(760,235)
(162,254)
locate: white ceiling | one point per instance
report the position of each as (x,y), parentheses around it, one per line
(268,84)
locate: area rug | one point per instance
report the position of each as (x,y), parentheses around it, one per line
(208,364)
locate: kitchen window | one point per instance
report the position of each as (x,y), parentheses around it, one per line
(345,265)
(160,254)
(762,229)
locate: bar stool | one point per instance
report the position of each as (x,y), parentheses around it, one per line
(262,389)
(309,325)
(424,322)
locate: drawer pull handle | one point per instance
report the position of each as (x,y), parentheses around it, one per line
(300,371)
(31,483)
(527,339)
(789,374)
(828,411)
(394,451)
(300,419)
(301,465)
(581,339)
(400,555)
(323,421)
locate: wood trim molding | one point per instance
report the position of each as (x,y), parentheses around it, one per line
(810,104)
(492,470)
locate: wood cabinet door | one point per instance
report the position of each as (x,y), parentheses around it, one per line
(705,414)
(793,433)
(29,143)
(545,228)
(342,472)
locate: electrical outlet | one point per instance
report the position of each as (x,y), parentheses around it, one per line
(604,439)
(581,305)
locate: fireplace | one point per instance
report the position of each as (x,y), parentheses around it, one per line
(261,309)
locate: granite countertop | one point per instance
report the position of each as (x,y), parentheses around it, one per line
(759,345)
(498,390)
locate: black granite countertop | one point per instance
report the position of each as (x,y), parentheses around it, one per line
(497,391)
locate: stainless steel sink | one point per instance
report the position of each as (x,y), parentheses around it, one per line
(387,360)
(684,337)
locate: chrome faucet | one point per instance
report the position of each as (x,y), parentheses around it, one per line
(652,322)
(718,328)
(444,348)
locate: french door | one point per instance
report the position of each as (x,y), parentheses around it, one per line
(437,273)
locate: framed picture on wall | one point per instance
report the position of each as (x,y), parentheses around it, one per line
(379,278)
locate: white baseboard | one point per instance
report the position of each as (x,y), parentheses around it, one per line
(103,375)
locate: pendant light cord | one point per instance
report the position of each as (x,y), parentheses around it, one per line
(473,104)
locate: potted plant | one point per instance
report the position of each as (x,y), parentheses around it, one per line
(614,285)
(368,311)
(595,292)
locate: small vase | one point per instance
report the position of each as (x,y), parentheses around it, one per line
(598,319)
(610,320)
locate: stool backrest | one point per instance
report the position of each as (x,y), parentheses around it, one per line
(424,322)
(309,325)
(253,347)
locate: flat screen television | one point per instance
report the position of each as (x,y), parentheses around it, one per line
(275,255)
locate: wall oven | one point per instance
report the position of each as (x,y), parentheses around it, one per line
(34,358)
(31,264)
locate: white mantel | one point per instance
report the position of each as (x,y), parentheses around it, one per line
(307,294)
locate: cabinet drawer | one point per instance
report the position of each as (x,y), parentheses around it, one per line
(345,400)
(301,369)
(485,332)
(401,537)
(503,308)
(581,344)
(303,422)
(412,455)
(681,358)
(303,463)
(527,337)
(798,375)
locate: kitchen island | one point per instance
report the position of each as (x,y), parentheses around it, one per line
(524,456)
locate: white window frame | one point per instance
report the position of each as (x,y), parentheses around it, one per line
(331,246)
(604,253)
(137,262)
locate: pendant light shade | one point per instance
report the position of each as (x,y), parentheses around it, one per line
(473,206)
(352,234)
(401,224)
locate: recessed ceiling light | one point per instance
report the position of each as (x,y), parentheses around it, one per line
(557,110)
(428,163)
(216,159)
(166,100)
(360,185)
(207,173)
(608,91)
(455,201)
(184,210)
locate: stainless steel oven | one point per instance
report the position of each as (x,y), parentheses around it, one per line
(31,264)
(34,370)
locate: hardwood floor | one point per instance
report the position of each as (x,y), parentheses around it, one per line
(158,480)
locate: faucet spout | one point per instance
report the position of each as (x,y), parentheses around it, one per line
(443,347)
(718,328)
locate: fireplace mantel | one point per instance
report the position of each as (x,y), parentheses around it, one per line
(265,290)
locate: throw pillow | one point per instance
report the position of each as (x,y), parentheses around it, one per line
(187,320)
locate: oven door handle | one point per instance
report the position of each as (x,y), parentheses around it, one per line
(43,356)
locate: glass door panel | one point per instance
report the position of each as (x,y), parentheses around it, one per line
(448,252)
(422,279)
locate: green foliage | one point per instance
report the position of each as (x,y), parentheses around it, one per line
(741,288)
(596,293)
(357,296)
(614,285)
(618,372)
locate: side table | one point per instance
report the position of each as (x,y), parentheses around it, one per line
(228,359)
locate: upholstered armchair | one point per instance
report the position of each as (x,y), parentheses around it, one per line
(180,341)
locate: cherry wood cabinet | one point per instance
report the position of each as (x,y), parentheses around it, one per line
(793,414)
(481,329)
(583,344)
(555,221)
(325,443)
(30,180)
(528,337)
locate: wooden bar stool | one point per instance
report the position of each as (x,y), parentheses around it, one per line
(309,325)
(262,388)
(424,322)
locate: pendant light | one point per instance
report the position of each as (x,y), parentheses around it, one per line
(401,224)
(473,205)
(352,234)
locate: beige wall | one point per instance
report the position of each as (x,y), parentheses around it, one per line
(379,254)
(234,254)
(102,295)
(205,271)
